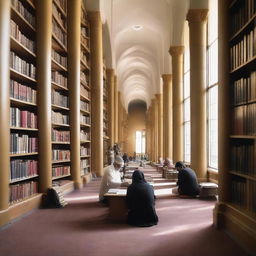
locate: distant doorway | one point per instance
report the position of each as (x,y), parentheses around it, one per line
(140,137)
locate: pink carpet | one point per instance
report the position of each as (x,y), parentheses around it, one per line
(82,229)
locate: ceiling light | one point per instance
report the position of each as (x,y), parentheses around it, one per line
(137,27)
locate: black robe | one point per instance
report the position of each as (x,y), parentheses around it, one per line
(141,202)
(187,181)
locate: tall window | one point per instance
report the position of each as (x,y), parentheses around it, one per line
(140,142)
(186,98)
(212,84)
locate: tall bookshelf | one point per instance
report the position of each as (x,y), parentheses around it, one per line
(105,116)
(85,99)
(243,90)
(23,102)
(60,113)
(236,210)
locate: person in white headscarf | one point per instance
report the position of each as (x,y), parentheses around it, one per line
(111,178)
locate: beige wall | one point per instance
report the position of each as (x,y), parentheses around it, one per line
(136,121)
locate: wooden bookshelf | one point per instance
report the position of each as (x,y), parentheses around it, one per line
(23,102)
(60,93)
(85,95)
(105,116)
(236,211)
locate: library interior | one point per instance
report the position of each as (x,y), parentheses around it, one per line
(155,82)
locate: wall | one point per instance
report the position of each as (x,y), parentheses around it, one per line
(136,121)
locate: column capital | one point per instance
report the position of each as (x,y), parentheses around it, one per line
(176,50)
(197,15)
(167,78)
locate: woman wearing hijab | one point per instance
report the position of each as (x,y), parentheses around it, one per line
(141,202)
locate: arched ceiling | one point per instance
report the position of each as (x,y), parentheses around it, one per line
(140,57)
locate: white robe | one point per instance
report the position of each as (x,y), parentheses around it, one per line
(111,179)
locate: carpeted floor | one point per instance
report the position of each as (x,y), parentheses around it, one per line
(82,229)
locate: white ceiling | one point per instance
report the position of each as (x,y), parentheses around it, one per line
(141,57)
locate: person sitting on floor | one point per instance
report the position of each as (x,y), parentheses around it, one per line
(187,181)
(111,178)
(141,202)
(168,163)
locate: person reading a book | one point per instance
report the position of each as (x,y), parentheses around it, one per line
(141,202)
(187,181)
(111,178)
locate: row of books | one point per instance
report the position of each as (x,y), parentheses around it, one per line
(58,78)
(60,154)
(85,41)
(242,159)
(84,162)
(22,118)
(238,190)
(83,16)
(58,118)
(20,37)
(85,106)
(62,60)
(62,4)
(244,120)
(244,50)
(84,78)
(242,14)
(60,171)
(59,99)
(84,58)
(22,66)
(85,119)
(252,203)
(19,7)
(23,168)
(60,136)
(58,32)
(23,143)
(22,191)
(244,89)
(85,170)
(22,92)
(84,135)
(59,15)
(85,92)
(84,151)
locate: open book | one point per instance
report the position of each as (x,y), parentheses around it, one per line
(117,191)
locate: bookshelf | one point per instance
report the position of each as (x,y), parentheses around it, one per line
(236,209)
(85,96)
(105,116)
(60,111)
(23,182)
(242,84)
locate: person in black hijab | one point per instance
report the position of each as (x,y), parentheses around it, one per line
(141,202)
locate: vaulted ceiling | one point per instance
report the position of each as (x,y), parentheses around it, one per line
(137,35)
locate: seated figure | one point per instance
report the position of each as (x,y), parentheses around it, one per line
(141,202)
(187,181)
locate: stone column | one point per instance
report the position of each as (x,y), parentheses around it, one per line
(156,127)
(167,116)
(97,93)
(152,117)
(44,49)
(116,109)
(197,45)
(177,99)
(160,124)
(74,33)
(120,118)
(4,103)
(223,101)
(111,109)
